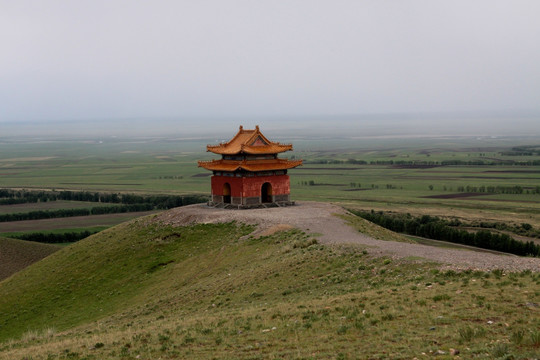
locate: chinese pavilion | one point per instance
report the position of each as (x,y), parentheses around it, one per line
(250,174)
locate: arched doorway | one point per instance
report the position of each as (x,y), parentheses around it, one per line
(266,193)
(227,193)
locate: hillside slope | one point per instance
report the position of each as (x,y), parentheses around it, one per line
(149,290)
(15,255)
(99,275)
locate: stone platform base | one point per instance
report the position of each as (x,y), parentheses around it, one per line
(219,205)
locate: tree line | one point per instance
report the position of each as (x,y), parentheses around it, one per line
(61,213)
(528,150)
(55,238)
(524,229)
(498,189)
(476,162)
(124,203)
(432,227)
(9,196)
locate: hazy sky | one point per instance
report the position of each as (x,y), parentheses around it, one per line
(116,59)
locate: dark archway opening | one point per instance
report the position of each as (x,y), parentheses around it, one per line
(266,193)
(227,193)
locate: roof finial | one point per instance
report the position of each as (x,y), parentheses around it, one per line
(241,128)
(257,127)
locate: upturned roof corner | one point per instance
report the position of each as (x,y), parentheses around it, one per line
(249,142)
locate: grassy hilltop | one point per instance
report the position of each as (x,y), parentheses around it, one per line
(143,290)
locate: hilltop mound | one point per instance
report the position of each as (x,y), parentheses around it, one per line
(15,255)
(329,223)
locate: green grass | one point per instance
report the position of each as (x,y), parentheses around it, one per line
(375,231)
(208,291)
(104,272)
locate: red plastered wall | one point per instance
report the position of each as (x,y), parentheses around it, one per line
(251,186)
(219,181)
(280,185)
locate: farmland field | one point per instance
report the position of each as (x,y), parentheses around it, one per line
(15,255)
(50,205)
(77,222)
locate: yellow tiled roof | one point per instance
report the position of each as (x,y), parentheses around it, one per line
(249,142)
(250,165)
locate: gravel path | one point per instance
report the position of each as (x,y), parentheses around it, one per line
(319,218)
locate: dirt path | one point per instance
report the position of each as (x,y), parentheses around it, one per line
(319,218)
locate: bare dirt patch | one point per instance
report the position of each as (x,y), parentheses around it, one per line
(475,195)
(510,200)
(514,171)
(460,177)
(15,255)
(272,230)
(321,219)
(329,168)
(414,166)
(455,196)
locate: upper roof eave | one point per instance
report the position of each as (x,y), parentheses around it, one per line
(242,143)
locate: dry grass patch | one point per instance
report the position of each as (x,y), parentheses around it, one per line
(272,230)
